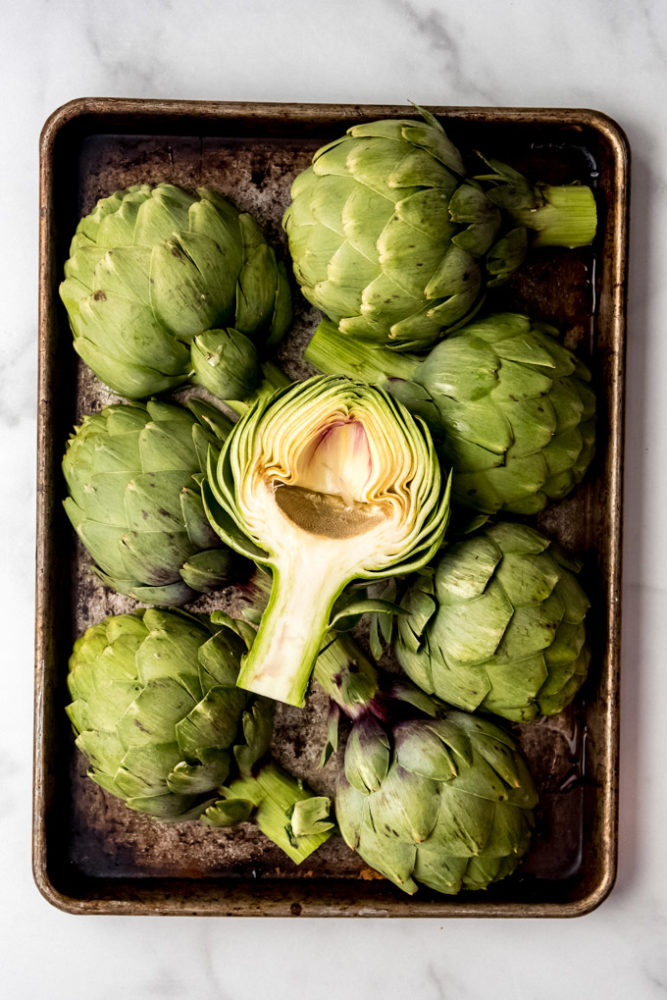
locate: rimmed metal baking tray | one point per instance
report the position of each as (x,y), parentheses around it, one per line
(91,855)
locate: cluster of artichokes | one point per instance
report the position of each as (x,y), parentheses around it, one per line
(331,484)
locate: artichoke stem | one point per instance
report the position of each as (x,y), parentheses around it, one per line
(563,216)
(335,353)
(281,659)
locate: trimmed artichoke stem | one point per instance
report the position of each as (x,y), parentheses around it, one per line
(566,216)
(286,640)
(334,354)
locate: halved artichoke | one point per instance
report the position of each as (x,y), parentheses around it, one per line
(326,482)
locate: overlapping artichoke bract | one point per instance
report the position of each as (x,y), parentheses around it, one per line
(326,482)
(498,625)
(158,714)
(162,283)
(511,409)
(396,245)
(133,474)
(428,795)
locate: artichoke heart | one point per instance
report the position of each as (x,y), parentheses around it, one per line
(325,482)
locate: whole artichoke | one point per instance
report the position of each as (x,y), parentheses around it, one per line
(429,795)
(157,713)
(498,625)
(396,245)
(133,475)
(323,483)
(510,408)
(156,271)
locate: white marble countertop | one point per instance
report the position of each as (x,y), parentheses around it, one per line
(604,54)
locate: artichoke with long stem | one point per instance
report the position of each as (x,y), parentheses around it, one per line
(428,795)
(498,625)
(396,243)
(158,714)
(133,475)
(511,409)
(163,285)
(326,482)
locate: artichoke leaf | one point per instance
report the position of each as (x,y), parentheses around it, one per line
(169,595)
(528,581)
(420,751)
(367,756)
(438,871)
(212,722)
(405,807)
(143,769)
(199,778)
(209,570)
(228,812)
(392,858)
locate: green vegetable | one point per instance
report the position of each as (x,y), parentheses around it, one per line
(511,409)
(393,241)
(133,475)
(226,363)
(154,273)
(158,714)
(498,625)
(323,483)
(429,795)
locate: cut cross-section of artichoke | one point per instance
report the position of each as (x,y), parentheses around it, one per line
(326,482)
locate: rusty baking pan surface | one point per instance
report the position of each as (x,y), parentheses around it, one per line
(91,854)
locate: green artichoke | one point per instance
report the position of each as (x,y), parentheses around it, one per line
(323,483)
(157,712)
(498,625)
(511,409)
(396,245)
(429,795)
(133,474)
(154,279)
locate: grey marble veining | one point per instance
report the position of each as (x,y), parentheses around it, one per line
(596,53)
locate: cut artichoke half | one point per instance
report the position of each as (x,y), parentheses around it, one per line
(325,482)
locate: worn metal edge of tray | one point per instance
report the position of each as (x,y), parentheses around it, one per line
(157,901)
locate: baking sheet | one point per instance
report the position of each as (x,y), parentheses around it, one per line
(91,854)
